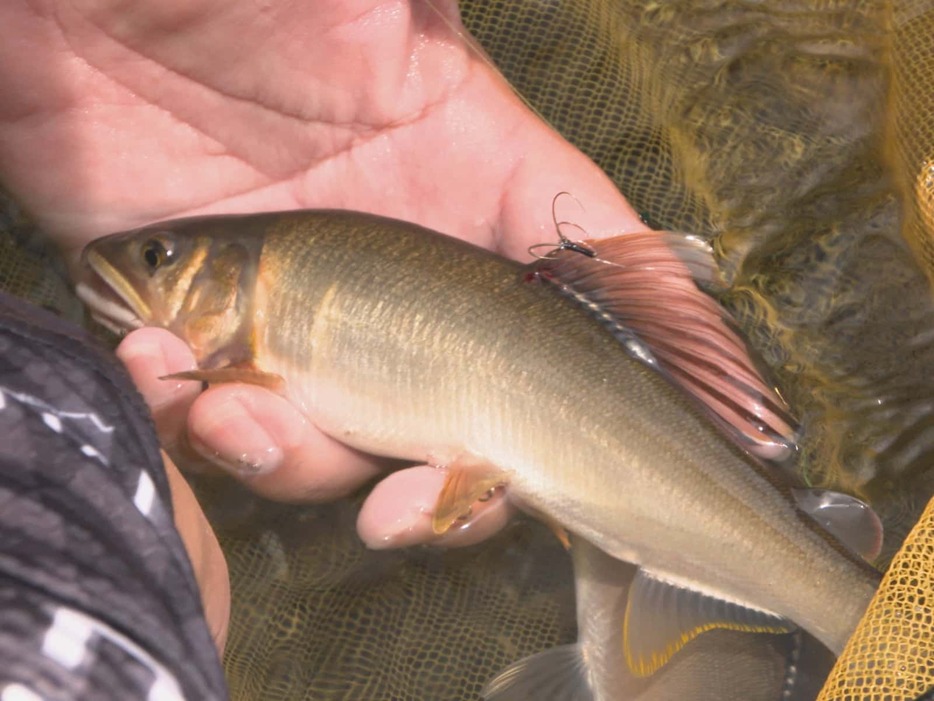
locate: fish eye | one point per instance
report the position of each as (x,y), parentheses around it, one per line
(157,252)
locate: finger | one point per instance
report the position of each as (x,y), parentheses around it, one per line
(398,512)
(266,442)
(152,353)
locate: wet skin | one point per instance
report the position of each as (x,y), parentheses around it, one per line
(124,115)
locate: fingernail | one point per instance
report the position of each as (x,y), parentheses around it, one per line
(236,441)
(150,353)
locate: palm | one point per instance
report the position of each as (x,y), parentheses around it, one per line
(166,109)
(118,114)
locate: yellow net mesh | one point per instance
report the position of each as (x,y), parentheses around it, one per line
(891,655)
(796,134)
(912,133)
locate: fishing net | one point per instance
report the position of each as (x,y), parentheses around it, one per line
(891,655)
(795,134)
(912,132)
(25,264)
(318,616)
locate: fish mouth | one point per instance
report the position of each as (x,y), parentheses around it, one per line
(113,302)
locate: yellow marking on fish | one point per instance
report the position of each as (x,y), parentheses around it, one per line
(260,326)
(327,299)
(183,277)
(641,665)
(119,283)
(328,311)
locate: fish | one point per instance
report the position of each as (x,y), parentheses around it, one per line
(719,666)
(403,342)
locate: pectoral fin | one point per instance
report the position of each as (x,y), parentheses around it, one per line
(268,380)
(558,673)
(643,287)
(662,617)
(468,479)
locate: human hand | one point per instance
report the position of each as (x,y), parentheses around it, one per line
(127,114)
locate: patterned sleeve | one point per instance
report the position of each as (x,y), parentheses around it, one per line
(97,597)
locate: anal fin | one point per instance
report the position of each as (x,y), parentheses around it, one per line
(468,479)
(662,617)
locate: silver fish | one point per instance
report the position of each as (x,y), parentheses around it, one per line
(403,342)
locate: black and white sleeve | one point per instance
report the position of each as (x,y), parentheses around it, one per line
(98,600)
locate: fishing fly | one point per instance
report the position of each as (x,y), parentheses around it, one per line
(564,243)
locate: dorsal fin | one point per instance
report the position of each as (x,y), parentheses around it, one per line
(645,284)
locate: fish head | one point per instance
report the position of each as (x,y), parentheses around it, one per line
(194,277)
